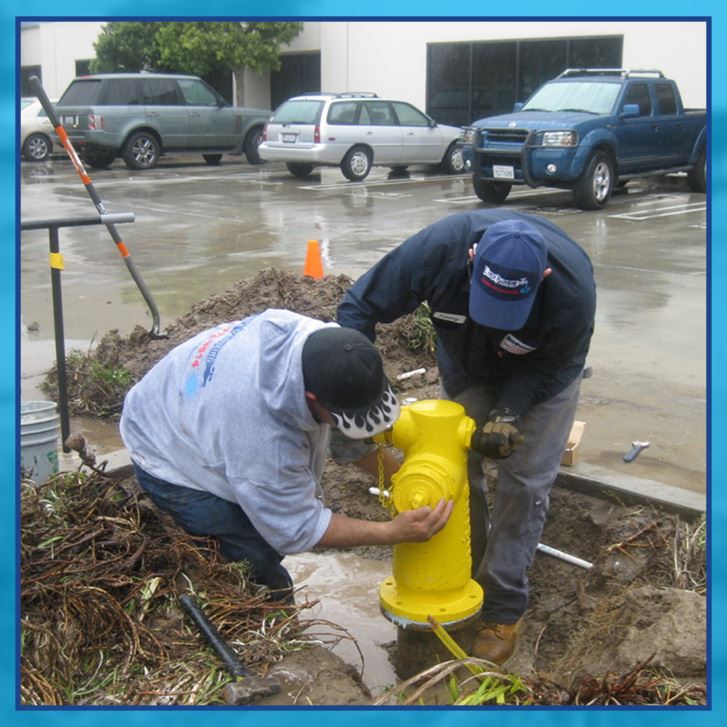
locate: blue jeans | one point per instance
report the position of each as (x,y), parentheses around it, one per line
(202,513)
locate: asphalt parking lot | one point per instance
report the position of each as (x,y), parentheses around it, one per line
(199,228)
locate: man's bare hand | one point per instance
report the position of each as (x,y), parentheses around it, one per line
(416,526)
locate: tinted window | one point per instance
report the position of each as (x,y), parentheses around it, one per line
(409,116)
(638,93)
(468,81)
(539,60)
(81,93)
(298,112)
(161,92)
(343,113)
(121,92)
(665,100)
(380,113)
(197,93)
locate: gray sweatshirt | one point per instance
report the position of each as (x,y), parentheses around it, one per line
(225,412)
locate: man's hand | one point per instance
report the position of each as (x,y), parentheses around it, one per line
(416,526)
(500,436)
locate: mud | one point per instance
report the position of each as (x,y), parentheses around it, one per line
(641,605)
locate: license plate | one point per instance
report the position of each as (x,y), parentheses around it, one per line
(289,138)
(69,120)
(503,171)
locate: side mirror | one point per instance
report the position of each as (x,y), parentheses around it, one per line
(432,123)
(517,106)
(630,111)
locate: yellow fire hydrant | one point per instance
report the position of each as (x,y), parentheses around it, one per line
(432,578)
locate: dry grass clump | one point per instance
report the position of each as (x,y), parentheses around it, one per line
(101,574)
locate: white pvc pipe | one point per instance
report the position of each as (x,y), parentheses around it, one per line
(564,556)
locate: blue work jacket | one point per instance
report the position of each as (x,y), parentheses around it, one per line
(526,366)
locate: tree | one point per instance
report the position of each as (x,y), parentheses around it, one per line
(201,48)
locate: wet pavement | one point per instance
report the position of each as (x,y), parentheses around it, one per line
(200,228)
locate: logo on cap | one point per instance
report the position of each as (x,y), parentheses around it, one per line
(509,286)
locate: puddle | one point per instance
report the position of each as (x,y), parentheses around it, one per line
(347,588)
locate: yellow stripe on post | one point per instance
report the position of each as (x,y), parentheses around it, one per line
(56,261)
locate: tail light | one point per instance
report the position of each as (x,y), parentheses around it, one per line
(317,135)
(265,132)
(96,121)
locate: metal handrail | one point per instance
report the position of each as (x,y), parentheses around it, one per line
(56,265)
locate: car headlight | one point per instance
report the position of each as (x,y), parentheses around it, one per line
(560,138)
(467,135)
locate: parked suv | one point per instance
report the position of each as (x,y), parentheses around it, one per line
(140,116)
(357,131)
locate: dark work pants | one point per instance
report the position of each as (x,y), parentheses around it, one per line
(505,540)
(202,513)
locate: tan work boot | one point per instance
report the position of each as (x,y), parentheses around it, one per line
(495,642)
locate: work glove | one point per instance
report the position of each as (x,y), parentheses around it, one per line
(500,436)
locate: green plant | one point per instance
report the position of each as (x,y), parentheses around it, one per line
(420,333)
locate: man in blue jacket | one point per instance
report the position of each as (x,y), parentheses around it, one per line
(512,300)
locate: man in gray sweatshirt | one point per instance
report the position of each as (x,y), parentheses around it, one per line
(229,433)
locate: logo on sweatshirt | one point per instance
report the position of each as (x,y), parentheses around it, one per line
(204,357)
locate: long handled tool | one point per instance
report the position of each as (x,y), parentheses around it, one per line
(39,91)
(247,687)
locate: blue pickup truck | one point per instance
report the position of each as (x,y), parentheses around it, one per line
(589,130)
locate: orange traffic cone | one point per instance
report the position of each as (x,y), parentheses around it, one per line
(313,262)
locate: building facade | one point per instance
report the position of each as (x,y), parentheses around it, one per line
(456,70)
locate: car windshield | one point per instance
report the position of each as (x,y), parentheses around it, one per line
(81,93)
(298,112)
(25,102)
(587,96)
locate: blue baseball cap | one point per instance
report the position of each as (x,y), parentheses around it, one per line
(509,263)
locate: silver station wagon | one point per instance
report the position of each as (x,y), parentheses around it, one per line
(356,131)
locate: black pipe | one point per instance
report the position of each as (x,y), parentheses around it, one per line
(213,636)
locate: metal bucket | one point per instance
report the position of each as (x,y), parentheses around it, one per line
(39,434)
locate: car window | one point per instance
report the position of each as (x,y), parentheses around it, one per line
(408,115)
(380,114)
(161,92)
(25,102)
(81,93)
(638,93)
(197,93)
(665,100)
(591,97)
(121,92)
(343,112)
(298,112)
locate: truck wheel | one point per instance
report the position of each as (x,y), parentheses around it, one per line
(250,147)
(493,192)
(298,169)
(141,151)
(594,186)
(356,165)
(697,175)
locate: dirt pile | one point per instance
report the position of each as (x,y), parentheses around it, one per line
(98,380)
(639,611)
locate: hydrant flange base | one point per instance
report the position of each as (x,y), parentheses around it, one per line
(446,608)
